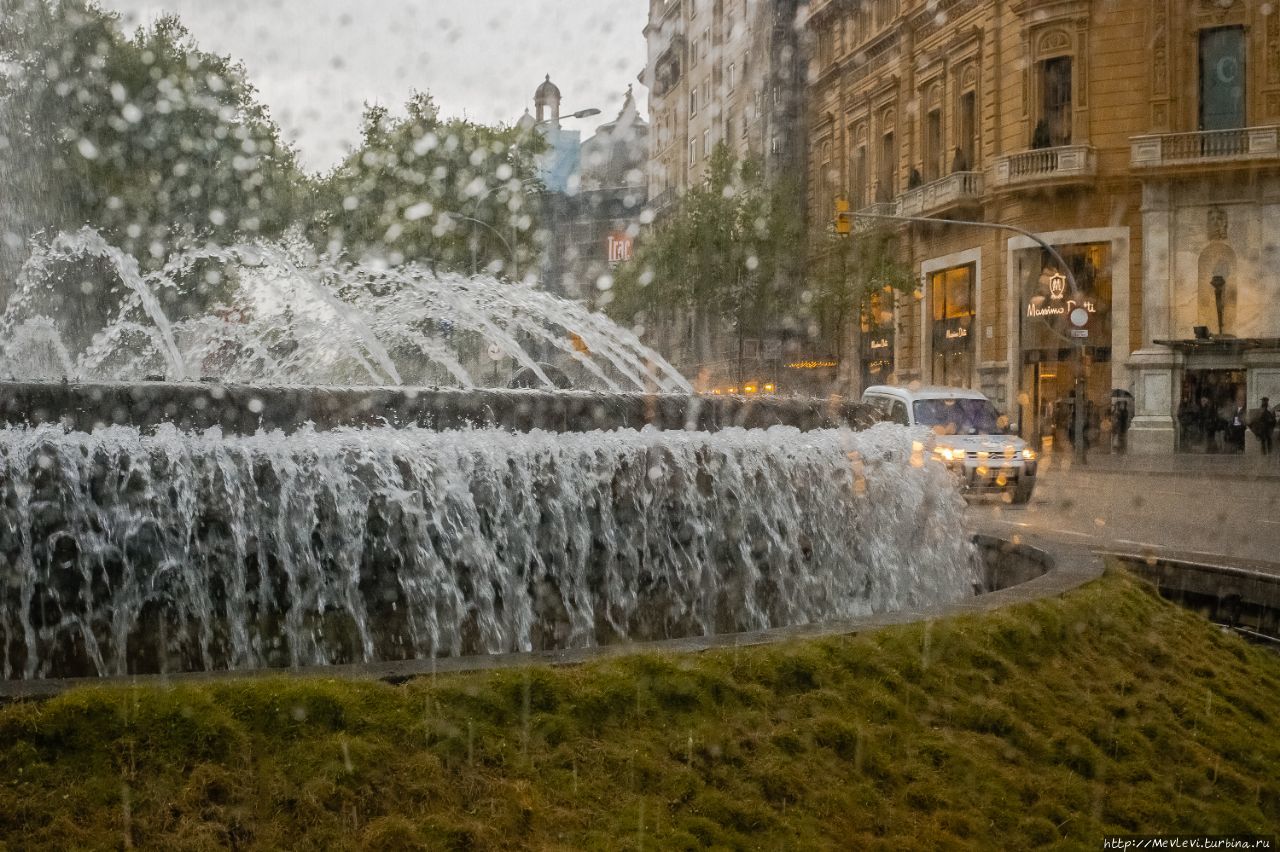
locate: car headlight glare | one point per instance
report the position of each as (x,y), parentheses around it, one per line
(1029,454)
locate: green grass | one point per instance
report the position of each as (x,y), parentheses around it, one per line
(1105,711)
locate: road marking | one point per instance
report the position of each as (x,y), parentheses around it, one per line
(1138,543)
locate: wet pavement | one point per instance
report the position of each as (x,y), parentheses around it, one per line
(1202,516)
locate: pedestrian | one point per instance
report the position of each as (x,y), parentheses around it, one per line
(1236,428)
(1120,424)
(1209,422)
(1263,425)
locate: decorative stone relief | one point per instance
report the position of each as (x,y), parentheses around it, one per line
(1217,223)
(1273,45)
(1082,62)
(1160,48)
(1054,41)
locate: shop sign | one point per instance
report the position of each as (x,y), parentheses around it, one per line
(952,335)
(619,247)
(814,364)
(1053,314)
(877,354)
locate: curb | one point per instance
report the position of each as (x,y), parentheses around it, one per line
(1233,475)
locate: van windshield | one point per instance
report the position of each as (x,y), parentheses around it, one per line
(958,416)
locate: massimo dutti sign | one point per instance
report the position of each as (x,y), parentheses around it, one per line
(1046,310)
(952,334)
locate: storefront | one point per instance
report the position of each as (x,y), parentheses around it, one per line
(877,339)
(1050,345)
(952,312)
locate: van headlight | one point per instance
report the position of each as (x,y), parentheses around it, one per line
(947,454)
(1029,454)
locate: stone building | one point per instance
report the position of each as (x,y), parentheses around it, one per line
(732,72)
(594,193)
(1148,177)
(721,71)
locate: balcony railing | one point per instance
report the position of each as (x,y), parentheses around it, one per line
(1063,164)
(867,220)
(954,190)
(1208,147)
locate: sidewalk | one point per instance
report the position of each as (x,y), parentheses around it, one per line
(1246,466)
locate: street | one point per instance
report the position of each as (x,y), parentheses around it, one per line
(1190,514)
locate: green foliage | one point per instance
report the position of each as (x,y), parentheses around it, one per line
(146,137)
(424,188)
(1106,711)
(718,256)
(850,274)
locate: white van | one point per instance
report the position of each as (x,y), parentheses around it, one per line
(970,436)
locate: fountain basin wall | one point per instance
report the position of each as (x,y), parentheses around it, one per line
(246,409)
(125,552)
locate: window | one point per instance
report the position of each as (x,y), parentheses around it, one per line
(729,76)
(1056,100)
(951,298)
(934,167)
(859,177)
(968,129)
(693,151)
(1222,68)
(706,143)
(888,168)
(693,101)
(694,52)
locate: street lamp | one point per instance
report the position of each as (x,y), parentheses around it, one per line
(515,274)
(1078,424)
(582,113)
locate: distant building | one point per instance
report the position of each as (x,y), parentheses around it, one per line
(721,71)
(731,72)
(558,165)
(596,191)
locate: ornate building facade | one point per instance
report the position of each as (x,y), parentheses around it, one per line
(1138,137)
(721,71)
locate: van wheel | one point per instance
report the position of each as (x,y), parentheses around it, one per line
(1022,493)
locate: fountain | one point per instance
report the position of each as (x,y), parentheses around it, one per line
(290,495)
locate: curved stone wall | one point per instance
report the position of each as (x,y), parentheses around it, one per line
(245,409)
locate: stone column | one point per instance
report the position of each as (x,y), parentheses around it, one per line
(1156,370)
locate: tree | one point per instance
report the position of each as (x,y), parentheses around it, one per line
(149,139)
(712,265)
(852,275)
(446,191)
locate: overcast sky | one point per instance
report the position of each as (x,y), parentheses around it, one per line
(316,62)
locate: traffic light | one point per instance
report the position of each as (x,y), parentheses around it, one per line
(844,222)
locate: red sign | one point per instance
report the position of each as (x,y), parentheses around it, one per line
(619,247)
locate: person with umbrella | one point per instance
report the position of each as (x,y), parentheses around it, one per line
(1120,415)
(1263,424)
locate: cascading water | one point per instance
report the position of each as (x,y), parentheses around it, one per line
(128,552)
(299,320)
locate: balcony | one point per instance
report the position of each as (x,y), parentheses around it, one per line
(864,218)
(1246,146)
(958,190)
(1045,167)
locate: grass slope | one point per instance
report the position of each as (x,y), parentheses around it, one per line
(1106,711)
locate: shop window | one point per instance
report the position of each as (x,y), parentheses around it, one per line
(951,298)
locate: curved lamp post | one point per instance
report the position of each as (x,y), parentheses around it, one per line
(1078,424)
